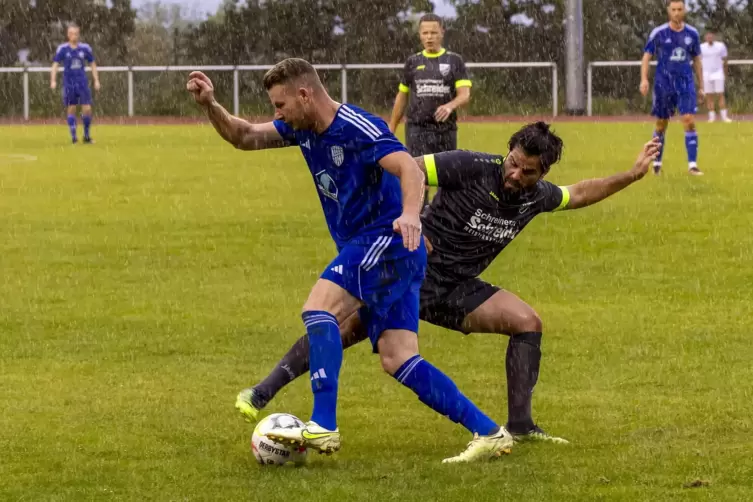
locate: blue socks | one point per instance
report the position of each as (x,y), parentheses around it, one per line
(326,357)
(437,391)
(87,123)
(72,126)
(691,145)
(660,135)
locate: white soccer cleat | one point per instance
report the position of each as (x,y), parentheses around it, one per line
(482,448)
(727,120)
(310,436)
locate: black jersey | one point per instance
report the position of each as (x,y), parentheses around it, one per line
(472,218)
(432,80)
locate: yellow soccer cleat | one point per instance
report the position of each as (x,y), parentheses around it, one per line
(483,448)
(245,404)
(310,436)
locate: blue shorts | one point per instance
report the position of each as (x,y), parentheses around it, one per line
(671,97)
(386,277)
(76,94)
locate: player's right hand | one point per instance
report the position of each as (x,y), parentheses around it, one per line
(409,226)
(644,87)
(201,87)
(645,158)
(53,85)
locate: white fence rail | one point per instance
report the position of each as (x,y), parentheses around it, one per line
(602,64)
(344,68)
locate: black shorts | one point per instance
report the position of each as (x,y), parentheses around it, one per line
(446,304)
(420,141)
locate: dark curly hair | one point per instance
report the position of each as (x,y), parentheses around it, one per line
(538,139)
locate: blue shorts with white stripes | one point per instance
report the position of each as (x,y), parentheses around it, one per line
(386,277)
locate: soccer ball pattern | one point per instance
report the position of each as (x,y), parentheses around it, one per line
(268,452)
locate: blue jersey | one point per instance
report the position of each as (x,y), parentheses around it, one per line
(73,60)
(360,200)
(674,51)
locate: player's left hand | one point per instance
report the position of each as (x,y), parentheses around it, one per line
(443,113)
(645,158)
(409,226)
(96,85)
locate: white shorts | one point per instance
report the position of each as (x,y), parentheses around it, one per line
(713,84)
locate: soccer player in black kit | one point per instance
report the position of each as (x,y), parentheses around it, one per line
(485,201)
(434,84)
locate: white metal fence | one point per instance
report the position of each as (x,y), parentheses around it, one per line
(613,64)
(344,68)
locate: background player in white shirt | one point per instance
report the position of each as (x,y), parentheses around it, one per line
(714,54)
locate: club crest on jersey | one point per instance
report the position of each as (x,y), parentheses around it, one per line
(444,69)
(326,184)
(337,155)
(81,54)
(688,40)
(678,54)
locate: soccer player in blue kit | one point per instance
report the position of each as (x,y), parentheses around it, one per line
(359,169)
(74,55)
(677,46)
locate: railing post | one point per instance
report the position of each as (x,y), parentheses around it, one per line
(555,90)
(236,93)
(130,92)
(589,92)
(26,93)
(344,84)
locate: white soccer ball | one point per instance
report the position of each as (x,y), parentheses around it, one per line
(268,452)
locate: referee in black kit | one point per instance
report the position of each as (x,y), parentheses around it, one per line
(434,84)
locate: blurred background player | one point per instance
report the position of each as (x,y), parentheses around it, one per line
(434,84)
(74,55)
(677,47)
(714,55)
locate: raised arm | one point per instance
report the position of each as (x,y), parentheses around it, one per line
(236,131)
(588,192)
(402,165)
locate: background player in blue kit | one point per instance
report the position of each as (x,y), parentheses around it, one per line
(677,47)
(360,169)
(74,55)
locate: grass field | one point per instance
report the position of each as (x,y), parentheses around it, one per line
(148,278)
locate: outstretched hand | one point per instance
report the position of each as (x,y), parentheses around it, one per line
(648,154)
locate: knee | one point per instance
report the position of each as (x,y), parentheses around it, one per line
(527,322)
(391,362)
(689,123)
(661,126)
(393,355)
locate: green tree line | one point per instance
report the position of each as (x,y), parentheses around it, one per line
(350,31)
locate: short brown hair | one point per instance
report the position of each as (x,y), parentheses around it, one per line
(288,70)
(431,18)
